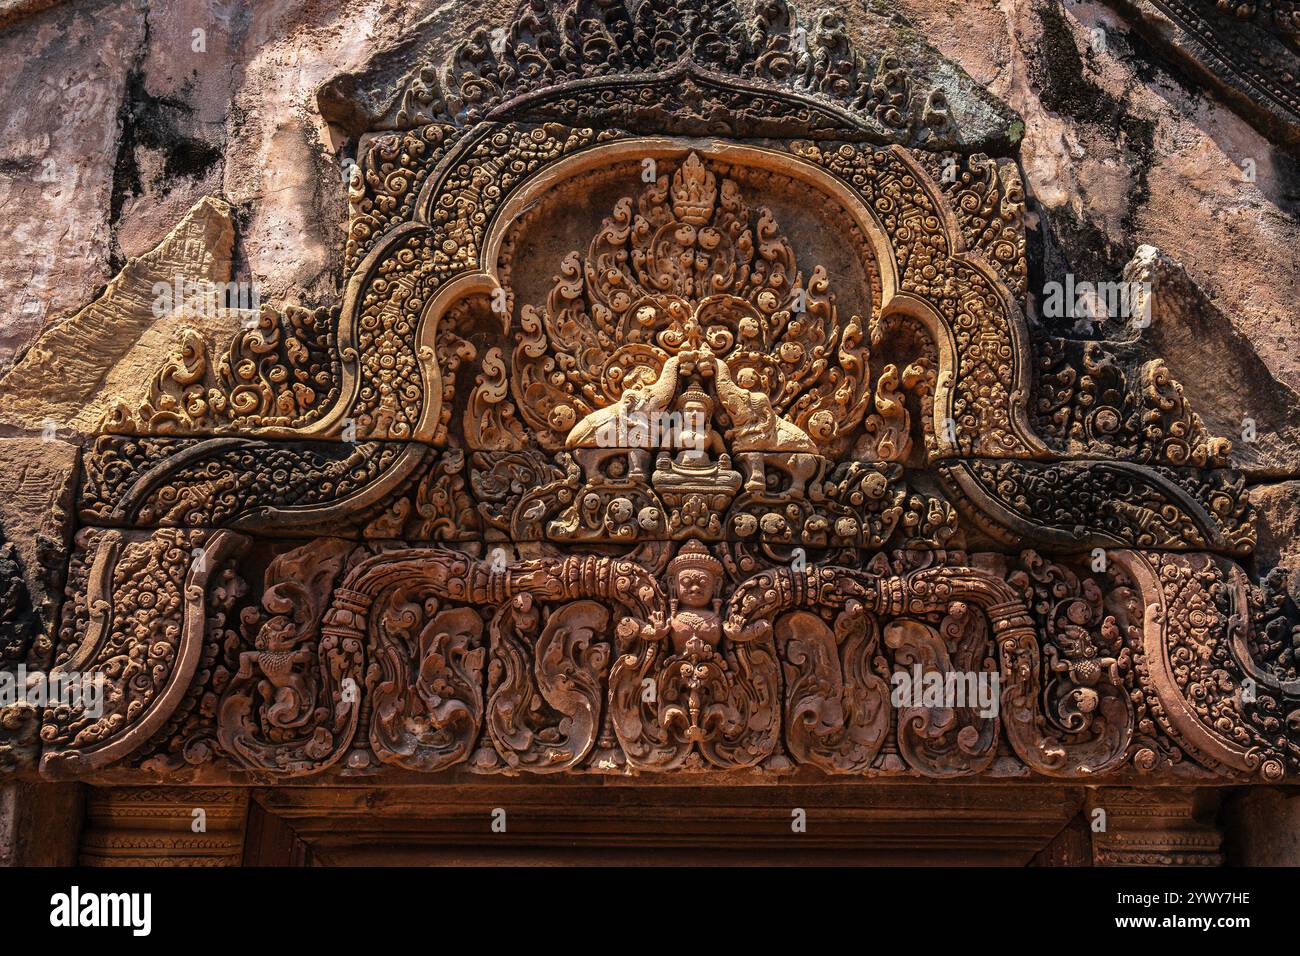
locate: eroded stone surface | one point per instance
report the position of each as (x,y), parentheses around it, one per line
(1121,149)
(1222,370)
(1279,528)
(79,368)
(58,151)
(36,483)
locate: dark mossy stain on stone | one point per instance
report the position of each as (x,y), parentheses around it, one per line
(1287,170)
(1060,77)
(17,617)
(1058,73)
(1139,138)
(242,218)
(149,122)
(152,122)
(1152,68)
(1064,243)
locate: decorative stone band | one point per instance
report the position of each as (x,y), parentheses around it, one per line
(154,826)
(1223,708)
(146,617)
(1076,505)
(1069,506)
(1149,669)
(1245,51)
(1009,616)
(240,482)
(1156,826)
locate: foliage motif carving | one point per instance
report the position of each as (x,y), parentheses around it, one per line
(691,65)
(420,533)
(280,373)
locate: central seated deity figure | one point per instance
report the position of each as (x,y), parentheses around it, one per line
(642,411)
(686,341)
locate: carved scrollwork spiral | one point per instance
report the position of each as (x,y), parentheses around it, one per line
(956,737)
(837,710)
(425,680)
(546,684)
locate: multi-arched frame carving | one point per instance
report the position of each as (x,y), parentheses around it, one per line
(323,571)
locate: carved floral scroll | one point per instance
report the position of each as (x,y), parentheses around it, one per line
(672,443)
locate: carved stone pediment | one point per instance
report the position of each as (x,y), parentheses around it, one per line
(643,446)
(1248,52)
(735,68)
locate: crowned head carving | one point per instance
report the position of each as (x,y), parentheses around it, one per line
(695,399)
(694,575)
